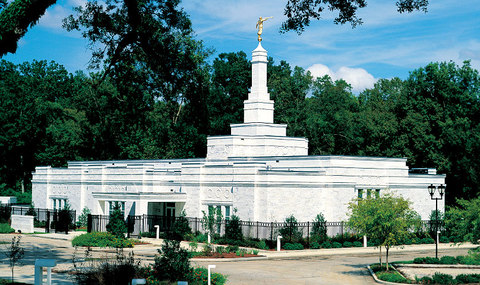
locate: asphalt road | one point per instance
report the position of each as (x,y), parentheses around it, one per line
(331,269)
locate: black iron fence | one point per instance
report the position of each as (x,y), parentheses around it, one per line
(257,230)
(43,218)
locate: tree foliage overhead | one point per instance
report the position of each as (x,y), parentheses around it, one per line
(16,18)
(301,12)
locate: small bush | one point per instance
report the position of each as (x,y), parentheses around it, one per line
(262,245)
(347,244)
(232,248)
(99,239)
(241,252)
(425,280)
(6,229)
(326,244)
(426,260)
(254,252)
(441,278)
(336,244)
(468,278)
(200,275)
(444,239)
(391,276)
(407,241)
(292,246)
(207,249)
(201,238)
(314,245)
(116,223)
(148,234)
(357,244)
(119,270)
(448,260)
(220,250)
(173,263)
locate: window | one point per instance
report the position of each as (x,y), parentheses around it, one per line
(59,204)
(112,206)
(227,213)
(371,193)
(360,193)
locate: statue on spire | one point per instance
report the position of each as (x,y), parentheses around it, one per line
(259,26)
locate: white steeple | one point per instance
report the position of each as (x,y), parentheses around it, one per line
(257,135)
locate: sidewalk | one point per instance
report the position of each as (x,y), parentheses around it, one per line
(149,249)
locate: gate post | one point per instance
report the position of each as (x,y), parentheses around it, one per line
(47,222)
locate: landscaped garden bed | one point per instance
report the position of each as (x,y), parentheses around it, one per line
(436,266)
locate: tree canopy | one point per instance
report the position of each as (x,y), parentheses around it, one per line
(300,12)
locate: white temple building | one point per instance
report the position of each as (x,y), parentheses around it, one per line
(257,170)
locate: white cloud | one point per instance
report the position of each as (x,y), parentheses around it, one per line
(359,78)
(53,17)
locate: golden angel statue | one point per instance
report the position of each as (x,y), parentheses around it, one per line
(259,26)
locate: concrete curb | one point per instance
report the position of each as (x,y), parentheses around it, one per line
(454,266)
(381,281)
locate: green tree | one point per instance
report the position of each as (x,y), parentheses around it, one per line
(289,88)
(116,223)
(290,231)
(387,218)
(331,118)
(83,218)
(319,229)
(14,253)
(180,228)
(463,221)
(173,264)
(233,229)
(15,19)
(230,80)
(300,12)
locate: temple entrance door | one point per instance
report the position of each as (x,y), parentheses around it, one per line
(169,214)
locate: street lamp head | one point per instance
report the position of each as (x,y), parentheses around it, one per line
(441,189)
(431,189)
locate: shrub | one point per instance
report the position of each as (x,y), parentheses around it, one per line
(241,252)
(6,229)
(336,245)
(425,280)
(220,250)
(444,239)
(200,274)
(116,224)
(347,244)
(407,241)
(391,276)
(357,244)
(468,278)
(232,248)
(441,278)
(326,244)
(290,230)
(119,270)
(83,218)
(173,264)
(448,260)
(262,245)
(207,249)
(148,234)
(294,246)
(233,230)
(254,252)
(319,229)
(201,238)
(193,245)
(180,228)
(5,213)
(427,240)
(314,245)
(100,239)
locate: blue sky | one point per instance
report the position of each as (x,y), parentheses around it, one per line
(388,44)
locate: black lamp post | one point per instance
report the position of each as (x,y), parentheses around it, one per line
(441,191)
